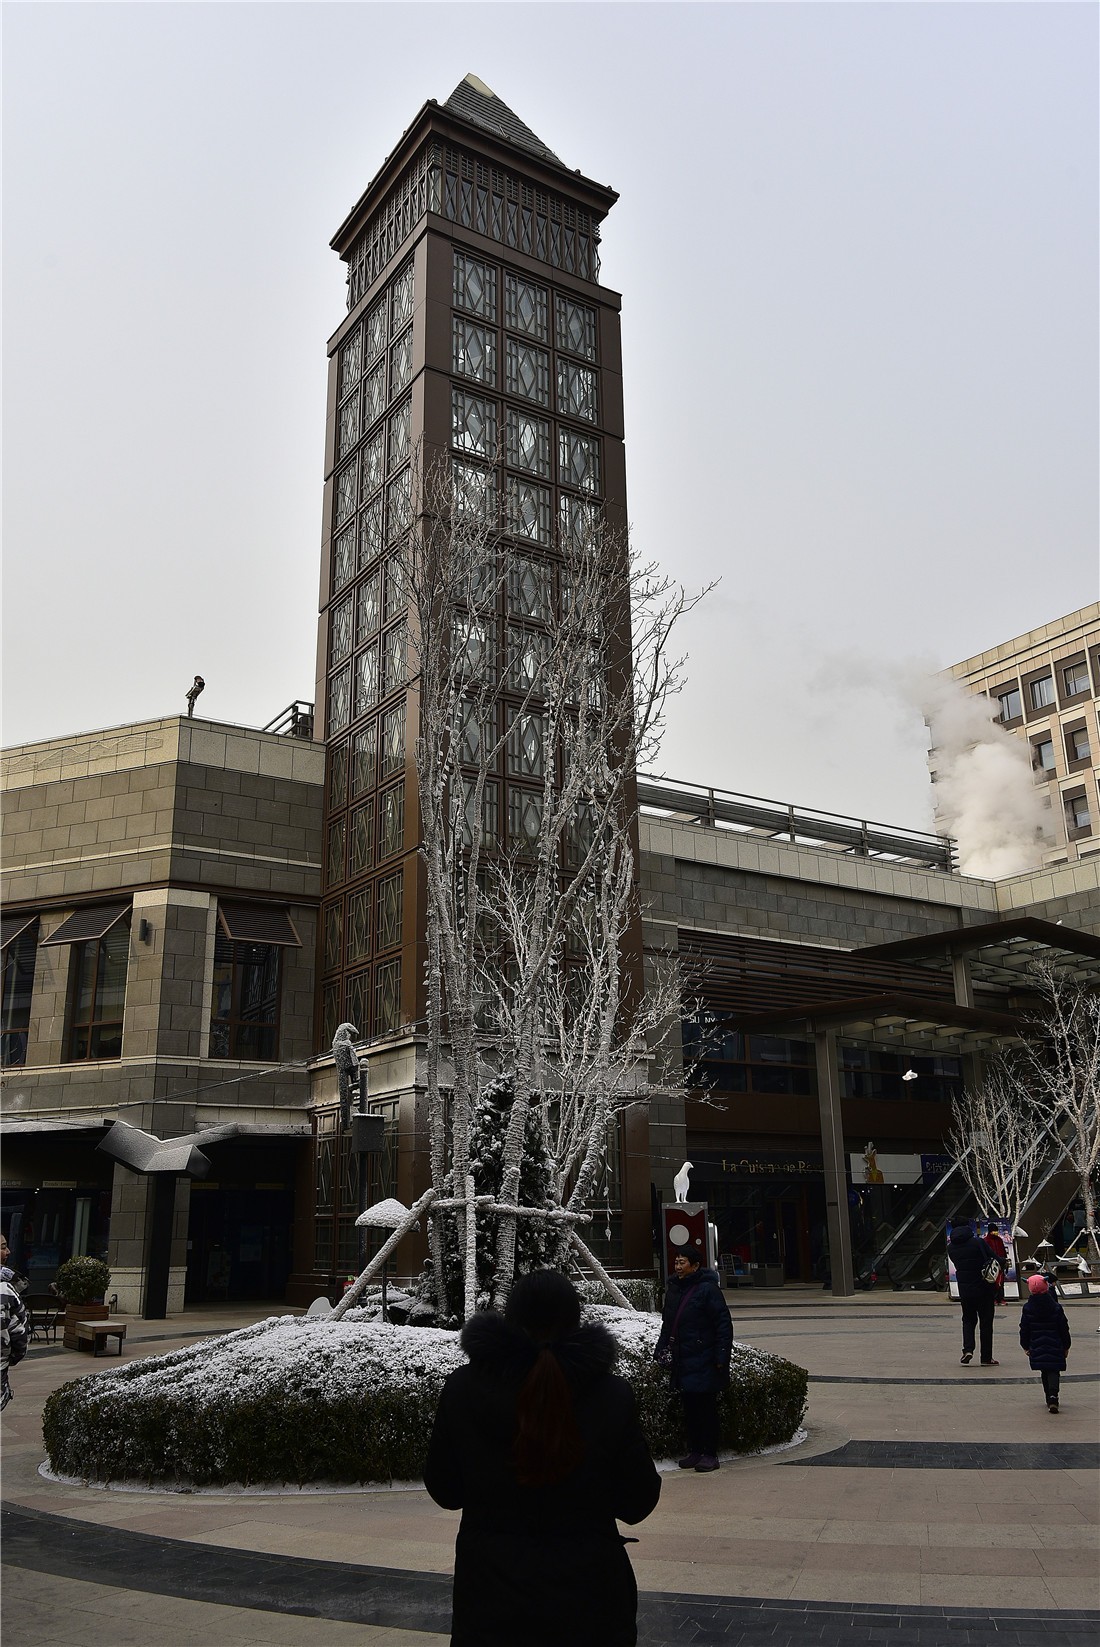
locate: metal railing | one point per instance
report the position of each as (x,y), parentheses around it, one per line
(802,826)
(295,721)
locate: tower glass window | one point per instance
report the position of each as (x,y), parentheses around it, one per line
(1076,679)
(575,327)
(475,286)
(97,984)
(525,307)
(527,371)
(244,1022)
(473,424)
(474,351)
(1011,704)
(1042,692)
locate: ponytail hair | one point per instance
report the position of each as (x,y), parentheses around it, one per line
(547,1444)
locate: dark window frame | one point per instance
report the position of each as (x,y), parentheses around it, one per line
(91,1024)
(234,1021)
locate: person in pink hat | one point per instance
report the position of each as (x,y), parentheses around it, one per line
(1044,1334)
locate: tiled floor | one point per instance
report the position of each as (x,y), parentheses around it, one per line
(931,1503)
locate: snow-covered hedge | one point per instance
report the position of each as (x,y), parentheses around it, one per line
(291,1400)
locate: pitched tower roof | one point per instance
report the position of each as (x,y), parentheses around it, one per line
(472,100)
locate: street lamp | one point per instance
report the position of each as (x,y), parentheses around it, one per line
(384,1215)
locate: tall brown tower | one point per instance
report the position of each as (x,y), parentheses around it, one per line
(477,328)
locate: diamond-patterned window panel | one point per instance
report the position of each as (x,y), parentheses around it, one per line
(334,936)
(366,680)
(401,300)
(341,631)
(343,558)
(529,588)
(489,812)
(346,498)
(369,614)
(527,746)
(474,735)
(575,327)
(577,390)
(525,307)
(473,424)
(387,997)
(374,395)
(337,776)
(579,522)
(526,658)
(400,432)
(474,351)
(364,745)
(528,443)
(334,862)
(528,510)
(362,839)
(393,589)
(373,464)
(347,429)
(524,818)
(475,286)
(474,490)
(370,532)
(390,900)
(351,362)
(359,905)
(393,658)
(398,505)
(579,460)
(374,331)
(473,643)
(527,371)
(339,688)
(391,834)
(393,741)
(401,363)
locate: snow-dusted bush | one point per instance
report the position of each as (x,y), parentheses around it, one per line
(641,1292)
(291,1400)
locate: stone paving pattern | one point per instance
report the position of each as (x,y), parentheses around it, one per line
(920,1546)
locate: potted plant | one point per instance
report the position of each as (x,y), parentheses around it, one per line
(82,1283)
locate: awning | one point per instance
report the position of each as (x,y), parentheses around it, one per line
(25,1129)
(1001,952)
(86,925)
(915,1023)
(13,927)
(257,924)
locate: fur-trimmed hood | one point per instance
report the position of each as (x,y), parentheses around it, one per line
(504,1351)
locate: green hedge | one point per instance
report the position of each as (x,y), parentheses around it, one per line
(289,1401)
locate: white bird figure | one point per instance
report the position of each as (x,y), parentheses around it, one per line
(681,1181)
(910,1075)
(1083,1266)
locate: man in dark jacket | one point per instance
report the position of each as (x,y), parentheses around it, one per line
(1044,1334)
(541,1563)
(696,1333)
(978,1298)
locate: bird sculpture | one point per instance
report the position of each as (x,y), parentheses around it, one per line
(681,1182)
(198,686)
(910,1075)
(346,1059)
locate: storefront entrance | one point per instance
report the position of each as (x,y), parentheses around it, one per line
(770,1212)
(239,1230)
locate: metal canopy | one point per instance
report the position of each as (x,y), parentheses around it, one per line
(13,927)
(257,923)
(913,1022)
(1000,952)
(88,924)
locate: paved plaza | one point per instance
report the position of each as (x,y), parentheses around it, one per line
(930,1504)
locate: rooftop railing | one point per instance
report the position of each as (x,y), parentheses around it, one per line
(802,826)
(295,721)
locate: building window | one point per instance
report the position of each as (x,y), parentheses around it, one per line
(576,390)
(1076,678)
(341,631)
(524,819)
(359,1002)
(473,424)
(374,395)
(392,829)
(334,940)
(1078,747)
(473,491)
(364,747)
(575,327)
(527,371)
(1042,692)
(578,522)
(527,746)
(400,434)
(579,460)
(489,812)
(343,558)
(399,505)
(337,839)
(1078,816)
(348,428)
(526,659)
(1043,755)
(390,899)
(474,351)
(366,679)
(362,839)
(369,614)
(338,700)
(387,997)
(337,776)
(394,663)
(401,360)
(393,741)
(525,307)
(359,906)
(475,286)
(528,510)
(20,950)
(401,300)
(529,587)
(98,994)
(245,1019)
(528,443)
(370,532)
(373,465)
(1011,704)
(351,360)
(375,331)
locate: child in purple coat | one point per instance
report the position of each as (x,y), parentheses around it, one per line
(1044,1334)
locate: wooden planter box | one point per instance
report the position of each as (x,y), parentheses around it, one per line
(81,1312)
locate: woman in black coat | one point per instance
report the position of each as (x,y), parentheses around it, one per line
(538,1443)
(1045,1335)
(696,1344)
(970,1256)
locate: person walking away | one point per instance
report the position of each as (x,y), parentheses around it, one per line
(15,1333)
(538,1443)
(1044,1334)
(695,1344)
(997,1247)
(970,1257)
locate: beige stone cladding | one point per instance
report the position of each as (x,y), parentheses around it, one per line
(1047,683)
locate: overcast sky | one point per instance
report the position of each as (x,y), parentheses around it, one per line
(857,246)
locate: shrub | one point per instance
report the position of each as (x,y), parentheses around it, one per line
(641,1291)
(82,1280)
(290,1400)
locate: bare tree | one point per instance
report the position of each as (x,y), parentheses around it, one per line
(999,1141)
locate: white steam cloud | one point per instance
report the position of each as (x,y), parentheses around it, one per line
(985,794)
